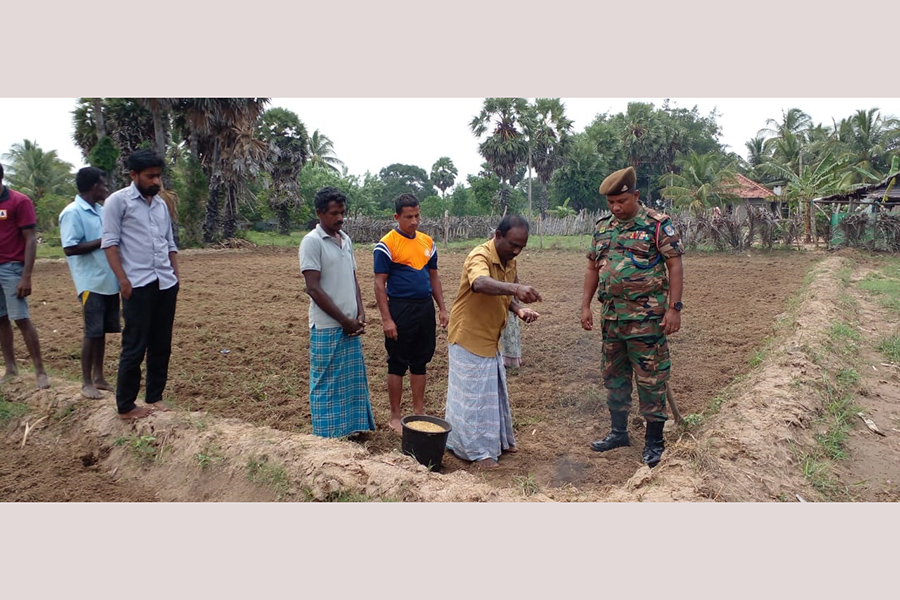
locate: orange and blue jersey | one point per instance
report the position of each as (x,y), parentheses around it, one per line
(407,262)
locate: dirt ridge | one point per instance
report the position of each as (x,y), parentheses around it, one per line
(745,452)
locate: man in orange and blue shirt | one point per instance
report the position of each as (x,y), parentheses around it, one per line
(406,280)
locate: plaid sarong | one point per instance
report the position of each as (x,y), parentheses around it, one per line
(338,385)
(477,406)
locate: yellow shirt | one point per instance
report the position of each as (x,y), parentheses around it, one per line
(476,320)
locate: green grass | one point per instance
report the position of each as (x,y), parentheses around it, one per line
(47,251)
(890,347)
(11,410)
(551,242)
(268,238)
(261,470)
(885,284)
(143,447)
(526,485)
(757,358)
(208,456)
(818,473)
(847,377)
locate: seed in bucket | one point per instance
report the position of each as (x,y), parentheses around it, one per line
(426,426)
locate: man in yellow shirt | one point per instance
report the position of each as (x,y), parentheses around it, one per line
(477,400)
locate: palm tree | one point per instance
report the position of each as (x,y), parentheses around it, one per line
(321,152)
(507,145)
(794,121)
(36,173)
(158,108)
(701,183)
(867,141)
(288,145)
(443,174)
(548,135)
(220,135)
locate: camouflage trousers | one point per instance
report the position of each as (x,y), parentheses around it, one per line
(638,348)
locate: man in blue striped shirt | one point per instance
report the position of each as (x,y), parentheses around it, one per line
(140,248)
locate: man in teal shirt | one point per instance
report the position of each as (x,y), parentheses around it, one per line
(81,230)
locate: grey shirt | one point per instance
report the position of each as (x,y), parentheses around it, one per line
(336,265)
(143,233)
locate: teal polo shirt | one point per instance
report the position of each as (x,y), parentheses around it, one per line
(81,222)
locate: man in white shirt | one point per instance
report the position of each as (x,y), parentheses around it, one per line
(140,248)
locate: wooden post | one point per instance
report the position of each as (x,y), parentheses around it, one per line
(812,220)
(541,230)
(446,228)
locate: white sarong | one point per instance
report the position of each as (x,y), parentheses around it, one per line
(477,406)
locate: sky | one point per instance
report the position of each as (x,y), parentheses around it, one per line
(372,133)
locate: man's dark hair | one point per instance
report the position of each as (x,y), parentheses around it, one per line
(510,221)
(145,159)
(404,200)
(87,178)
(326,196)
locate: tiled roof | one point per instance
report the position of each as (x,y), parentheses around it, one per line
(748,189)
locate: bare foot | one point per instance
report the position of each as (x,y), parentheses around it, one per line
(512,449)
(136,413)
(10,373)
(90,392)
(43,382)
(159,406)
(486,463)
(102,384)
(396,426)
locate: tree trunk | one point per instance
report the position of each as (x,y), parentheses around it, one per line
(211,224)
(159,133)
(529,184)
(284,219)
(229,223)
(99,120)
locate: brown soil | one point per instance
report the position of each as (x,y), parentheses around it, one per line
(240,347)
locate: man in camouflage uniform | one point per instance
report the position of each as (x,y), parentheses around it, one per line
(635,261)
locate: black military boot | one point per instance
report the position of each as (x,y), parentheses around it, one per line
(654,444)
(619,434)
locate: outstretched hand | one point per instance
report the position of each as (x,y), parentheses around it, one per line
(527,294)
(528,315)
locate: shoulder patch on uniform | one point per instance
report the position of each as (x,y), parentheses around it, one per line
(656,216)
(669,230)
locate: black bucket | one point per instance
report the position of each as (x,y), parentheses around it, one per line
(426,447)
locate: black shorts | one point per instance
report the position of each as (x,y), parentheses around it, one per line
(416,335)
(101,314)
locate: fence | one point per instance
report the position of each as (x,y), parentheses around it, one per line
(737,231)
(450,229)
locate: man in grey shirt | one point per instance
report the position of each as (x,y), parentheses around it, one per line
(338,385)
(140,248)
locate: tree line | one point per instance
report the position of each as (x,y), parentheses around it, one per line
(237,161)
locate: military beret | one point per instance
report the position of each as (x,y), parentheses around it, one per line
(620,182)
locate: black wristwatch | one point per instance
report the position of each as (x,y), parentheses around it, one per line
(678,306)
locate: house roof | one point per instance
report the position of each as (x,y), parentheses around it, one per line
(873,191)
(748,189)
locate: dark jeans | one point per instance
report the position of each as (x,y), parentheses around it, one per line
(149,315)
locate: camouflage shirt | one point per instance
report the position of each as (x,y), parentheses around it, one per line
(631,256)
